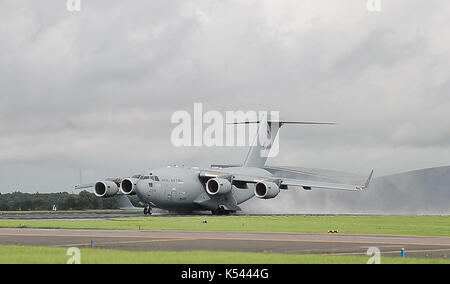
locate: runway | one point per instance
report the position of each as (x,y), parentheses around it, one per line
(333,244)
(103,215)
(74,215)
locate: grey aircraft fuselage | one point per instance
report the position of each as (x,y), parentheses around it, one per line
(181,189)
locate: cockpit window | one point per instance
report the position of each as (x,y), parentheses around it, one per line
(145,177)
(155,178)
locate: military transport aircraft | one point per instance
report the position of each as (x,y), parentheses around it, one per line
(219,190)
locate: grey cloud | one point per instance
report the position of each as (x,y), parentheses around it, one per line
(95,90)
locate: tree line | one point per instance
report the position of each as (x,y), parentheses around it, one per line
(19,201)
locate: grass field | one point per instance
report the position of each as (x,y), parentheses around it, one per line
(392,225)
(46,255)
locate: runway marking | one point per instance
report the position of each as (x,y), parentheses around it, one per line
(76,236)
(390,252)
(420,250)
(325,241)
(234,239)
(300,234)
(125,242)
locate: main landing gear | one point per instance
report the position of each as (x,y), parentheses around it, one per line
(148,211)
(221,211)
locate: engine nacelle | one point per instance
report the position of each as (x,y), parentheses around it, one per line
(128,186)
(266,190)
(218,186)
(106,189)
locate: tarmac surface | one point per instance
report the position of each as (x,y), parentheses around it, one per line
(331,244)
(109,214)
(67,215)
(102,215)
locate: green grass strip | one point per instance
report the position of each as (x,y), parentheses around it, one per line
(388,225)
(47,255)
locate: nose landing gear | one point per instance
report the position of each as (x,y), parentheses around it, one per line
(148,211)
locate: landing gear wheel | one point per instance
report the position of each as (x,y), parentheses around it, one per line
(147,211)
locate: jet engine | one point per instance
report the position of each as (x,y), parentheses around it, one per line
(106,189)
(266,190)
(218,186)
(128,186)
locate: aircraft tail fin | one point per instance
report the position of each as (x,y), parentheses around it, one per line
(261,149)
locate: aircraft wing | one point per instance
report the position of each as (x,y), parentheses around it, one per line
(123,200)
(310,184)
(285,183)
(91,185)
(84,186)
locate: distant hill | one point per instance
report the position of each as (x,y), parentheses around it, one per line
(424,191)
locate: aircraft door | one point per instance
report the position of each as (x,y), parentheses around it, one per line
(172,193)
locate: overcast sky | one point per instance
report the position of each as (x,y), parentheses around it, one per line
(95,90)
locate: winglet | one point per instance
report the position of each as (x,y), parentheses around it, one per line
(366,185)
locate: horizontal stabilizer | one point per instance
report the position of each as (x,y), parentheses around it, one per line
(282,122)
